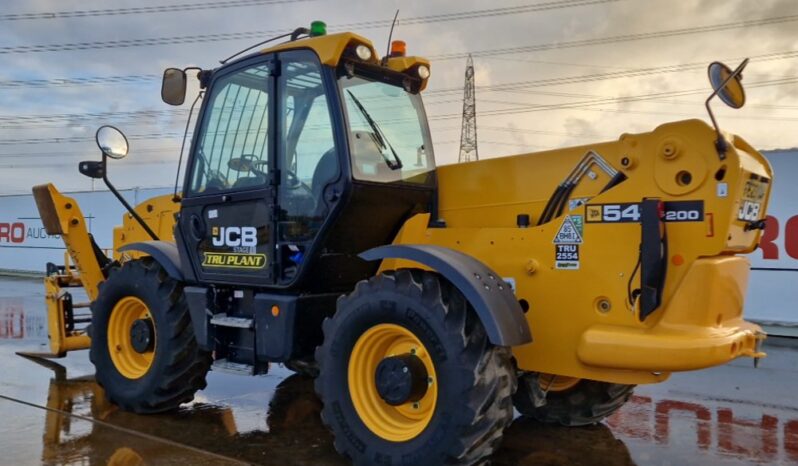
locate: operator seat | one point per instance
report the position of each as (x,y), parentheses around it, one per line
(325,173)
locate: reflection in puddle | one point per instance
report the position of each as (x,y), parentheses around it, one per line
(15,324)
(660,425)
(715,429)
(292,432)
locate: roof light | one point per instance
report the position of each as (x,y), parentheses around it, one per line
(423,71)
(398,48)
(318,28)
(363,52)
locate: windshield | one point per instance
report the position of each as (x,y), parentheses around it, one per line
(388,136)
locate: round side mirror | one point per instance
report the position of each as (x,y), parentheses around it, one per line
(112,142)
(732,93)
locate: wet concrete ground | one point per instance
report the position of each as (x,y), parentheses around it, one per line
(56,414)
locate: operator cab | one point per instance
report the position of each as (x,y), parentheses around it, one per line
(300,156)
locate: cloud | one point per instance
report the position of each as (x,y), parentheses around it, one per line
(761,123)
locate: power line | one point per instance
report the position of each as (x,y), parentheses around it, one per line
(513,110)
(789,54)
(503,87)
(132,79)
(79,81)
(141,10)
(610,100)
(620,38)
(197,38)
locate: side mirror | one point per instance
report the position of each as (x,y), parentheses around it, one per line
(112,142)
(727,83)
(727,86)
(173,87)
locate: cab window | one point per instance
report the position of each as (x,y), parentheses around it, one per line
(233,149)
(308,160)
(388,137)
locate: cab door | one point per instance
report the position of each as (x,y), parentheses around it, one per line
(227,219)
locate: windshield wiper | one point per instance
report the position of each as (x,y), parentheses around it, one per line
(381,139)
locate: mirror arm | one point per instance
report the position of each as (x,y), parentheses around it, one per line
(125,203)
(720,143)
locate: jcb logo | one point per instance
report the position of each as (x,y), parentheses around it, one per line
(235,236)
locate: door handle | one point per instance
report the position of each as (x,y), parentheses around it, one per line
(196,228)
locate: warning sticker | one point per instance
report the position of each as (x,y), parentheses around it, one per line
(566,256)
(569,232)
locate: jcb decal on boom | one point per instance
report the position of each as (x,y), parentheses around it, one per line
(675,211)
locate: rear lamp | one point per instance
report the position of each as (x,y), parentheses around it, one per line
(363,52)
(398,48)
(423,71)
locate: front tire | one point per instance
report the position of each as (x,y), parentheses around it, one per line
(569,401)
(142,341)
(416,319)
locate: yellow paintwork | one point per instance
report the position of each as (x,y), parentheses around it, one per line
(67,220)
(126,359)
(700,316)
(330,48)
(583,324)
(409,64)
(62,216)
(159,214)
(392,423)
(61,339)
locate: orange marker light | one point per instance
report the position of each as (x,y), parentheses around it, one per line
(677,259)
(398,48)
(275,311)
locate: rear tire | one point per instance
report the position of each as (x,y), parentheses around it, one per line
(587,402)
(172,368)
(473,379)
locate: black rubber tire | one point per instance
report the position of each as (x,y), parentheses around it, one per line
(588,402)
(475,379)
(179,366)
(303,367)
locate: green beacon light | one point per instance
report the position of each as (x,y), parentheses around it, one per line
(318,28)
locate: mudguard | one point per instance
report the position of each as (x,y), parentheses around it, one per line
(492,298)
(164,252)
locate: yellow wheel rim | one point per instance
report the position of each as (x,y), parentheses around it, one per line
(393,423)
(556,383)
(129,362)
(125,457)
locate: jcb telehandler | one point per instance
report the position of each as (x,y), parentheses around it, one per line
(314,229)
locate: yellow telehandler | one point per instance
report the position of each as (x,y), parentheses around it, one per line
(314,229)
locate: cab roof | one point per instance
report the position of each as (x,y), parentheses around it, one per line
(332,47)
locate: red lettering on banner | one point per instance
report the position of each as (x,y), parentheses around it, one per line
(769,249)
(768,438)
(12,232)
(791,440)
(791,237)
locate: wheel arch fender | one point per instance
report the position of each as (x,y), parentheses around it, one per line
(492,298)
(163,252)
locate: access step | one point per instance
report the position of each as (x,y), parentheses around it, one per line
(223,320)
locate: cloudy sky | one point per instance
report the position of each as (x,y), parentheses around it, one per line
(549,73)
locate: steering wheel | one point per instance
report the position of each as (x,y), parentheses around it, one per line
(293,182)
(246,163)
